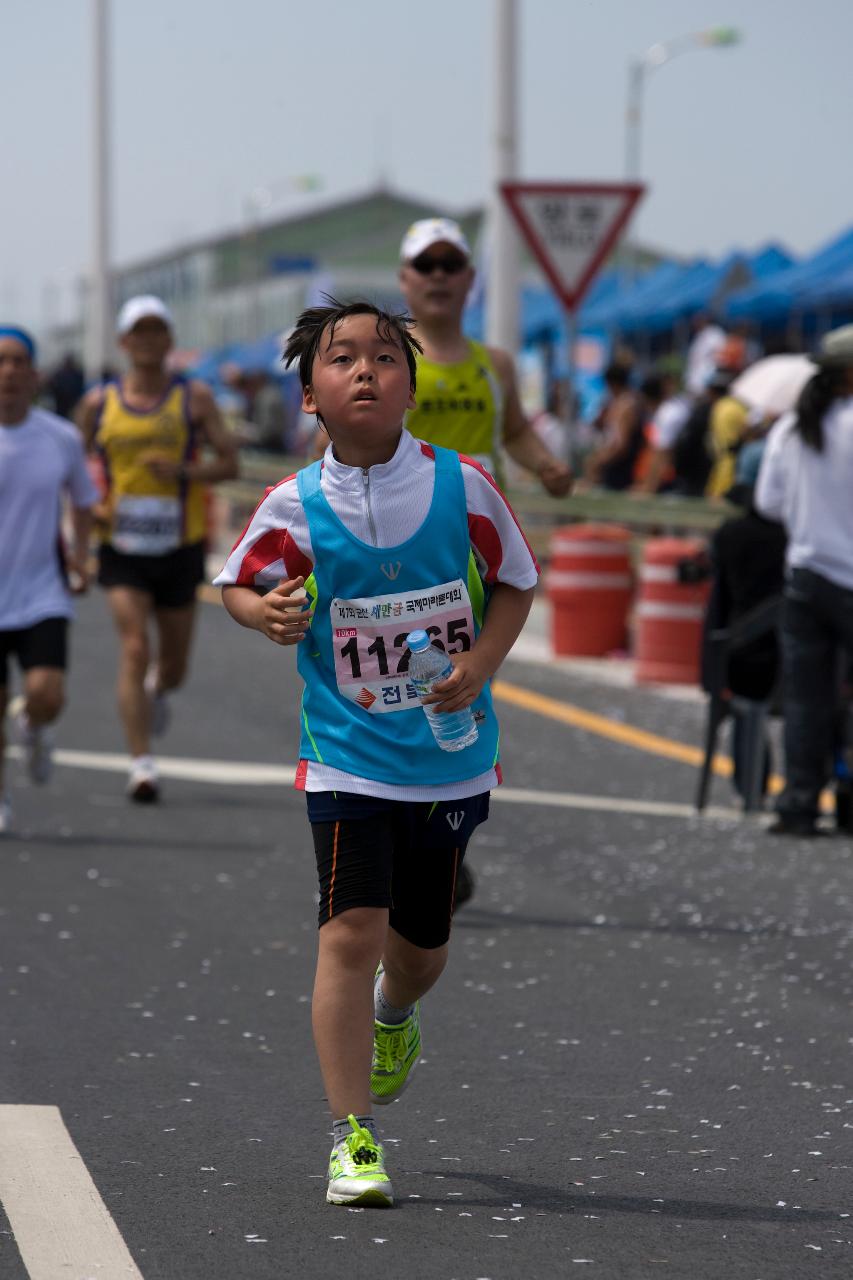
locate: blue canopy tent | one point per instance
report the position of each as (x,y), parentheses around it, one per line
(688,294)
(772,300)
(705,288)
(834,293)
(611,312)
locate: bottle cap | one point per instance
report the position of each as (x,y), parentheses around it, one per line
(417,641)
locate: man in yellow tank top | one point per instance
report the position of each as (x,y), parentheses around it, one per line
(467,393)
(467,397)
(147,431)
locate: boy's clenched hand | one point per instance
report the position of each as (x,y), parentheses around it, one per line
(463,687)
(282,616)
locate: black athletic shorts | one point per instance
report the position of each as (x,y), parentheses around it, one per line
(400,854)
(171,579)
(44,644)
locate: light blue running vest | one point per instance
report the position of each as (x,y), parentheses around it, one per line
(367,583)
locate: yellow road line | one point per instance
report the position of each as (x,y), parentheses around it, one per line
(653,743)
(627,734)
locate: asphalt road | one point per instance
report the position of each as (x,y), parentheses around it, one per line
(637,1064)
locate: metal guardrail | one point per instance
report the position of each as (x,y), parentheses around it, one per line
(538,512)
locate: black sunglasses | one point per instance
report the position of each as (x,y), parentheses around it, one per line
(450,263)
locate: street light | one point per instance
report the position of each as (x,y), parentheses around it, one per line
(654,57)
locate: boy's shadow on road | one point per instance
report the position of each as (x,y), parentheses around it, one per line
(531,1195)
(480,918)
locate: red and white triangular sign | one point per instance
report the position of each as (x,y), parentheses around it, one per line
(571,227)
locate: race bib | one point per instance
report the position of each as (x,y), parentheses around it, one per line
(145,526)
(369,641)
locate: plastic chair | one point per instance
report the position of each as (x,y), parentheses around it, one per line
(720,645)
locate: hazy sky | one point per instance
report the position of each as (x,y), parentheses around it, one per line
(214,98)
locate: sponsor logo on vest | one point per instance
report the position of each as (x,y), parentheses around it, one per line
(456,819)
(366,699)
(391,570)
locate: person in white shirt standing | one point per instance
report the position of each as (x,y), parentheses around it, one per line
(41,461)
(806,482)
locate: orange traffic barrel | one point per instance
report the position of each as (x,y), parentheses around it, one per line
(589,584)
(669,614)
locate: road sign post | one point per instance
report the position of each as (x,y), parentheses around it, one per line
(571,228)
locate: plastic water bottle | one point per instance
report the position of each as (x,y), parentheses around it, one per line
(428,665)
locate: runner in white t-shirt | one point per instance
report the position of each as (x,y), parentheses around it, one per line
(41,461)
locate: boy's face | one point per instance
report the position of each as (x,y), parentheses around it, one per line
(361,387)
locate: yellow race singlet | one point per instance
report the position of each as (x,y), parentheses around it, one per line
(149,516)
(460,406)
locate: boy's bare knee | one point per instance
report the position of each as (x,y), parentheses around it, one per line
(356,937)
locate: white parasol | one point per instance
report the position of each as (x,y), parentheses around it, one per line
(773,385)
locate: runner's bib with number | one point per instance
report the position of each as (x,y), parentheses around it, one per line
(354,659)
(371,654)
(146,526)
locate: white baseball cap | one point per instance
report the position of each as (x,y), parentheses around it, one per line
(143,307)
(429,231)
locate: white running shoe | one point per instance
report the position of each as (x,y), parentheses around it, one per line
(36,740)
(143,784)
(5,816)
(157,701)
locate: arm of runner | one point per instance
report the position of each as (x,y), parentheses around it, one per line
(78,557)
(280,615)
(224,464)
(520,440)
(86,415)
(507,564)
(505,617)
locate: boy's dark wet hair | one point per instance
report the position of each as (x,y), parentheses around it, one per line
(304,342)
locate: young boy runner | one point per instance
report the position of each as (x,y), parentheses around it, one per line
(388,534)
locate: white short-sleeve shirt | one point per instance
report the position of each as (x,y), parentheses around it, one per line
(41,460)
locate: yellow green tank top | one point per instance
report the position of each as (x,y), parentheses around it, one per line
(460,406)
(149,516)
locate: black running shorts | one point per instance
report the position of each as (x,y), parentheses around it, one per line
(44,644)
(399,854)
(171,579)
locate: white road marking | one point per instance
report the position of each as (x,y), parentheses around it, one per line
(239,773)
(234,773)
(61,1225)
(614,804)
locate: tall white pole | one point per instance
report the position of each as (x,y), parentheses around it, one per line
(502,241)
(633,135)
(99,303)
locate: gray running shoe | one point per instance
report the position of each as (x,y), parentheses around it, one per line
(36,740)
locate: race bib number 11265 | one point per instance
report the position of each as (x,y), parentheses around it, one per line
(369,641)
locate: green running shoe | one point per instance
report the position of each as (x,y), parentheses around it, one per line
(357,1171)
(396,1053)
